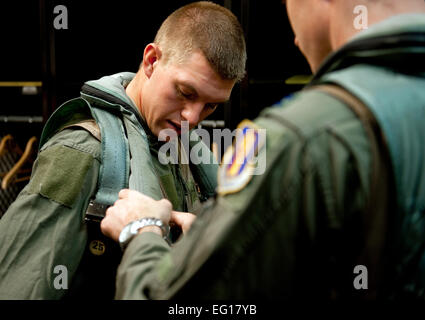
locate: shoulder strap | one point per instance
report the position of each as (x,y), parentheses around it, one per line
(378,204)
(114,169)
(88,125)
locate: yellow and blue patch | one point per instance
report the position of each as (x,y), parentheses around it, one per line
(238,166)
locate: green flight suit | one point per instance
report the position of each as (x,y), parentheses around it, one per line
(44,229)
(298,230)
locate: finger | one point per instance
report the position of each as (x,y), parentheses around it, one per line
(119,206)
(109,211)
(183,215)
(106,227)
(177,217)
(133,195)
(124,193)
(183,219)
(136,195)
(111,226)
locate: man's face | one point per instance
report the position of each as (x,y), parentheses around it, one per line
(309,22)
(189,91)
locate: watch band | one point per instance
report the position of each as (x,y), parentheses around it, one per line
(132,229)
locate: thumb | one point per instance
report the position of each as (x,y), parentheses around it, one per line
(177,217)
(183,219)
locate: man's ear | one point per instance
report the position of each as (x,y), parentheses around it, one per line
(151,56)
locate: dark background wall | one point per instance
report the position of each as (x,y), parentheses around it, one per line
(42,67)
(108,37)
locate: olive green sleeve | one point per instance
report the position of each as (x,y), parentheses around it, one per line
(44,228)
(138,266)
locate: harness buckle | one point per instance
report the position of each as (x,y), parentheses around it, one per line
(95,211)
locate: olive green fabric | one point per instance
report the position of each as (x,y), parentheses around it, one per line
(300,229)
(177,182)
(37,233)
(45,225)
(56,165)
(181,192)
(306,162)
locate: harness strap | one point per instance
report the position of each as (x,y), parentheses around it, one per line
(114,171)
(378,204)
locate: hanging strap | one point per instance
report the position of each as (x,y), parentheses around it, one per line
(114,171)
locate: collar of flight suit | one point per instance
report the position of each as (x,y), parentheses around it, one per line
(112,89)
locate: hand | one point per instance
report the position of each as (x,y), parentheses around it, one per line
(133,205)
(183,219)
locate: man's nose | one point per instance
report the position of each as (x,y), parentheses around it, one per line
(297,43)
(192,113)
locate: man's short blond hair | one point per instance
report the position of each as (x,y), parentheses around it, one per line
(210,28)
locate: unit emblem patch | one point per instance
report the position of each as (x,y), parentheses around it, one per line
(239,161)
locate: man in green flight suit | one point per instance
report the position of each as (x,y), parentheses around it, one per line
(50,246)
(339,211)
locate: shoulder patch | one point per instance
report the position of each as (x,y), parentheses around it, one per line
(238,165)
(59,174)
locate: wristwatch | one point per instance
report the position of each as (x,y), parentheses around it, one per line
(131,230)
